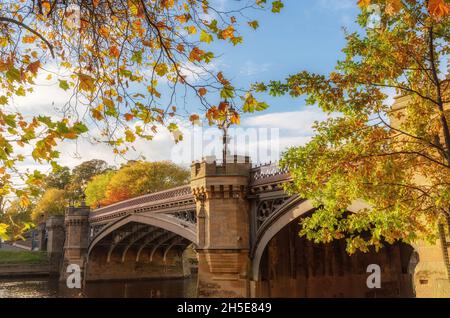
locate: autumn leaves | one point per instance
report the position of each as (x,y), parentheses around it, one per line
(437,8)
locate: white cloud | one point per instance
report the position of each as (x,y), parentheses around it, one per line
(250,68)
(299,122)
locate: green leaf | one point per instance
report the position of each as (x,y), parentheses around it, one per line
(3,100)
(137,57)
(80,128)
(227,92)
(20,91)
(13,74)
(10,120)
(64,85)
(206,37)
(277,6)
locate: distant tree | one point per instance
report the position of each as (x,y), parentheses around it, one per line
(82,174)
(53,202)
(58,179)
(17,219)
(144,177)
(96,189)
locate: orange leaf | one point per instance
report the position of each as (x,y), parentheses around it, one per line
(202,91)
(194,119)
(128,116)
(393,6)
(235,118)
(363,3)
(196,54)
(114,51)
(29,39)
(228,33)
(34,67)
(438,8)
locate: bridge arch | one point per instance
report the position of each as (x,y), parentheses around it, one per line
(287,265)
(166,222)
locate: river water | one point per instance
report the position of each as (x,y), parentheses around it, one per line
(51,288)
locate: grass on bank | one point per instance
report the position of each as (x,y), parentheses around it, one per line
(23,257)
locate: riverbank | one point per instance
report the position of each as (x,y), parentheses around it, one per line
(22,263)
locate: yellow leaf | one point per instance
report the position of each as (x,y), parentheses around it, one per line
(191,29)
(129,136)
(86,83)
(182,18)
(29,39)
(161,69)
(70,135)
(108,103)
(24,201)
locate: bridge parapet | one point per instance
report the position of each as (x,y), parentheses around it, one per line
(175,200)
(267,174)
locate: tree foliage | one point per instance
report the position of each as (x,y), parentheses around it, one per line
(96,189)
(52,202)
(134,179)
(113,57)
(59,179)
(396,159)
(16,219)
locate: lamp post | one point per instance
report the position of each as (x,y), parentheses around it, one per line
(224,125)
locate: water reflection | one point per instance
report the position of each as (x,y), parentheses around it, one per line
(50,287)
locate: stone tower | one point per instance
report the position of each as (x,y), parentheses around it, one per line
(77,238)
(223,226)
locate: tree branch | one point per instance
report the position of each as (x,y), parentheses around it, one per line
(50,47)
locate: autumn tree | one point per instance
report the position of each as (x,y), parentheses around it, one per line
(96,189)
(396,159)
(59,178)
(16,219)
(135,179)
(53,202)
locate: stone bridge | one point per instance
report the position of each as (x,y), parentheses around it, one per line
(244,229)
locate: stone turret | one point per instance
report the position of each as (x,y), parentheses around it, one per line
(223,226)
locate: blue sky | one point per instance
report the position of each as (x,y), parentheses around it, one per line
(306,35)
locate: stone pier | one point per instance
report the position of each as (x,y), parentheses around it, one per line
(77,239)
